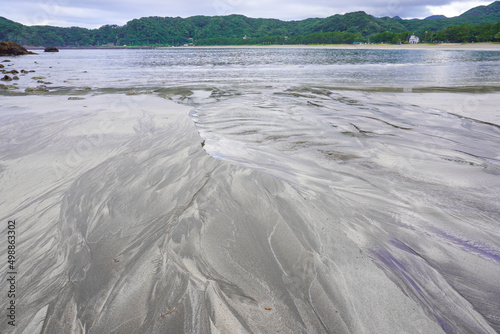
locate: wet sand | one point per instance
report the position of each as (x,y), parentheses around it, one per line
(126,224)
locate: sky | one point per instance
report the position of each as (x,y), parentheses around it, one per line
(95,13)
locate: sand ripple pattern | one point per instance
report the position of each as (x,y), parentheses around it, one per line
(147,233)
(307,210)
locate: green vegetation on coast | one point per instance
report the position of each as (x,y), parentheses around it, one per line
(480,24)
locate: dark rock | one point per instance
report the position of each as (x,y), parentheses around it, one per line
(1,66)
(15,77)
(6,61)
(12,72)
(6,78)
(51,49)
(12,49)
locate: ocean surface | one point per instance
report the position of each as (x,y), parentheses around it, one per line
(383,165)
(283,68)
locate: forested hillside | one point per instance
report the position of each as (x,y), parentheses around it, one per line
(476,25)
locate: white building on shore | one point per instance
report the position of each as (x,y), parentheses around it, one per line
(413,39)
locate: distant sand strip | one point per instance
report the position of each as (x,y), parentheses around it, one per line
(421,46)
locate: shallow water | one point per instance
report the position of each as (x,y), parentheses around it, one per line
(200,67)
(359,166)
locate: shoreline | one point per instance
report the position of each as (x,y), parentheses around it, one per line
(441,46)
(489,46)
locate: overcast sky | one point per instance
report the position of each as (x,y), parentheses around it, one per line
(95,13)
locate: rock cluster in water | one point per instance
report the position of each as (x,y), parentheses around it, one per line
(11,74)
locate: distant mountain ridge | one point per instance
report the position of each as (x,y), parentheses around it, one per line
(230,29)
(433,17)
(492,9)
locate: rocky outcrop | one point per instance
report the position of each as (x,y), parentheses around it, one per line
(51,49)
(13,49)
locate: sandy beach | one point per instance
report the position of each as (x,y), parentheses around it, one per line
(154,195)
(127,223)
(421,46)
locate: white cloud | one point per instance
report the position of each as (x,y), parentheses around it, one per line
(455,8)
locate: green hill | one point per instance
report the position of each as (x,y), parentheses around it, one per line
(489,13)
(204,30)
